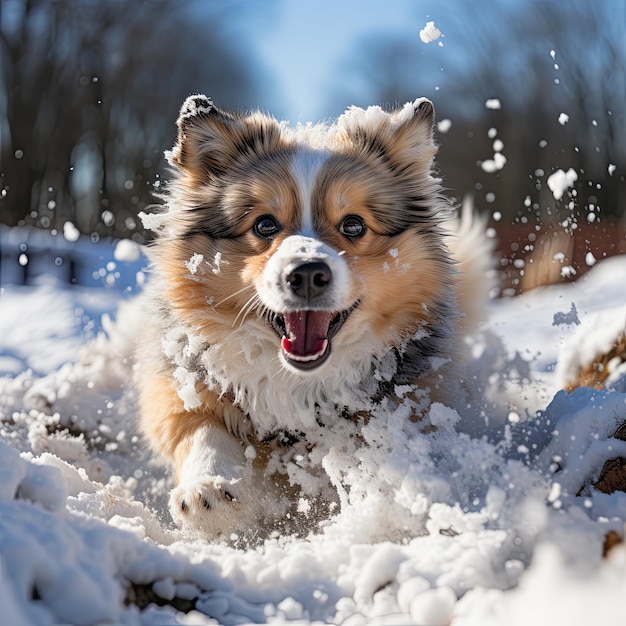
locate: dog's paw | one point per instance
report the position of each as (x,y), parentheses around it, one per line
(210,506)
(207,495)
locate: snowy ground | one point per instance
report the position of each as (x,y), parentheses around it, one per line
(476,524)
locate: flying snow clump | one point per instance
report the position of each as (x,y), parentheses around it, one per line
(430,33)
(70,232)
(560,181)
(499,160)
(495,164)
(444,125)
(126,250)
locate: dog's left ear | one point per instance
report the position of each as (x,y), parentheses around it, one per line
(211,141)
(403,138)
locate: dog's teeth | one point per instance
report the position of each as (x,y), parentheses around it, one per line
(303,358)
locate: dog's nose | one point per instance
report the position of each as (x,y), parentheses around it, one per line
(310,279)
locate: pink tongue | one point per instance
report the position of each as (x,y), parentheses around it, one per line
(307,333)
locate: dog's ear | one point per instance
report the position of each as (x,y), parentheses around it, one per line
(402,138)
(211,141)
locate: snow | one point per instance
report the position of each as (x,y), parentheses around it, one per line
(194,262)
(477,523)
(499,160)
(444,125)
(152,221)
(127,250)
(560,181)
(70,232)
(430,33)
(495,164)
(595,336)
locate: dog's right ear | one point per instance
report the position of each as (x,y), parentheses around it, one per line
(203,132)
(211,141)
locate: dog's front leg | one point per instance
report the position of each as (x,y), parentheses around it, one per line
(215,485)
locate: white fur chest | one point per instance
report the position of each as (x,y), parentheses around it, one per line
(248,369)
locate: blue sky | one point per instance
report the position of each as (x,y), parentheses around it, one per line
(306,52)
(303,43)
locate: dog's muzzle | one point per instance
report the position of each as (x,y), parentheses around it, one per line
(307,332)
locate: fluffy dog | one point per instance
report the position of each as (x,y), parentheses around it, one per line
(300,275)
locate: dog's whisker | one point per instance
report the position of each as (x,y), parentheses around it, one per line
(278,371)
(242,314)
(234,294)
(264,311)
(246,309)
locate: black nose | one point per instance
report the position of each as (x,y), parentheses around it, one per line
(310,279)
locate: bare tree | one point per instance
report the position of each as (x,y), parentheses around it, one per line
(540,59)
(89,91)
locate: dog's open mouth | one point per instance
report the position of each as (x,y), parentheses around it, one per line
(305,336)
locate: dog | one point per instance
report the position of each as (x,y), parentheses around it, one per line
(300,276)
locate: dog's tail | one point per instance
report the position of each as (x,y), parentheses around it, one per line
(473,252)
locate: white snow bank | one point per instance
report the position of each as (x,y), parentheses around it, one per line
(595,337)
(477,523)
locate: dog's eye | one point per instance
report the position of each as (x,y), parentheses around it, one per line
(266,227)
(352,226)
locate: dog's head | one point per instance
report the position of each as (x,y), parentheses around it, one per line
(320,241)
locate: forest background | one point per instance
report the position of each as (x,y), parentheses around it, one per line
(90,90)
